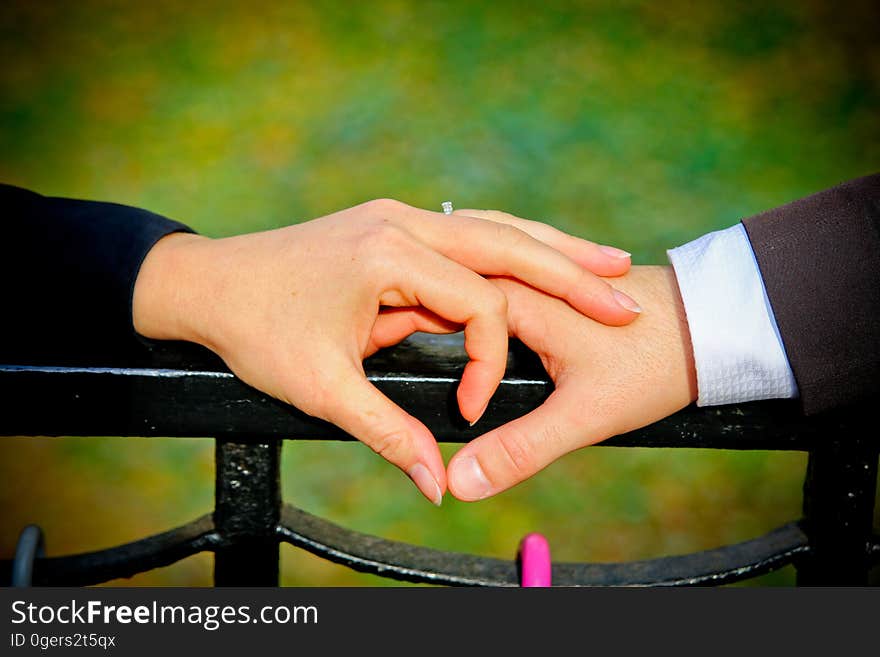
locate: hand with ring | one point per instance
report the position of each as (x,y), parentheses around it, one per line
(294,311)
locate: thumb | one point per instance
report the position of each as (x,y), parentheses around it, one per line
(515,451)
(360,409)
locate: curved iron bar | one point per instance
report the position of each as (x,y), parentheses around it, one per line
(371,554)
(406,562)
(125,560)
(31,546)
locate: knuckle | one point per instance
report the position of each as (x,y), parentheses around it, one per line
(496,303)
(516,448)
(494,215)
(381,238)
(383,206)
(510,219)
(511,235)
(389,444)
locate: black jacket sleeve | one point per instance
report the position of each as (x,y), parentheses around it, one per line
(820,261)
(67,274)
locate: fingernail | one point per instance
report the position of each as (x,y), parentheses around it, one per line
(481,414)
(426,483)
(470,480)
(614,252)
(626,302)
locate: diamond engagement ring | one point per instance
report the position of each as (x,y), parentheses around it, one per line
(447,207)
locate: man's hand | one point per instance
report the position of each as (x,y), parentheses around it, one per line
(608,381)
(294,311)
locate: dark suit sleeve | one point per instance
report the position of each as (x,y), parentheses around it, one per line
(67,274)
(820,261)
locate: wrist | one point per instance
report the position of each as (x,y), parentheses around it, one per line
(663,328)
(165,299)
(682,348)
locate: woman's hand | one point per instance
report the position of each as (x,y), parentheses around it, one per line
(294,311)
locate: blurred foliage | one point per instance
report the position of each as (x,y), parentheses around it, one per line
(639,124)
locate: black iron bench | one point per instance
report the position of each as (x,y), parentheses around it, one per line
(185,391)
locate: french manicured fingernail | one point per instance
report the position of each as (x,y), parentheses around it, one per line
(614,252)
(626,302)
(426,483)
(469,479)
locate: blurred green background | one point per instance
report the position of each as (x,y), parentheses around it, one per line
(639,124)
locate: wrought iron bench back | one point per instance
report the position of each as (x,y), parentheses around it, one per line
(183,391)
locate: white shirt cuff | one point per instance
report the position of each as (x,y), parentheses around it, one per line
(738,353)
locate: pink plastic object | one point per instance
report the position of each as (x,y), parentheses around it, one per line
(534,557)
